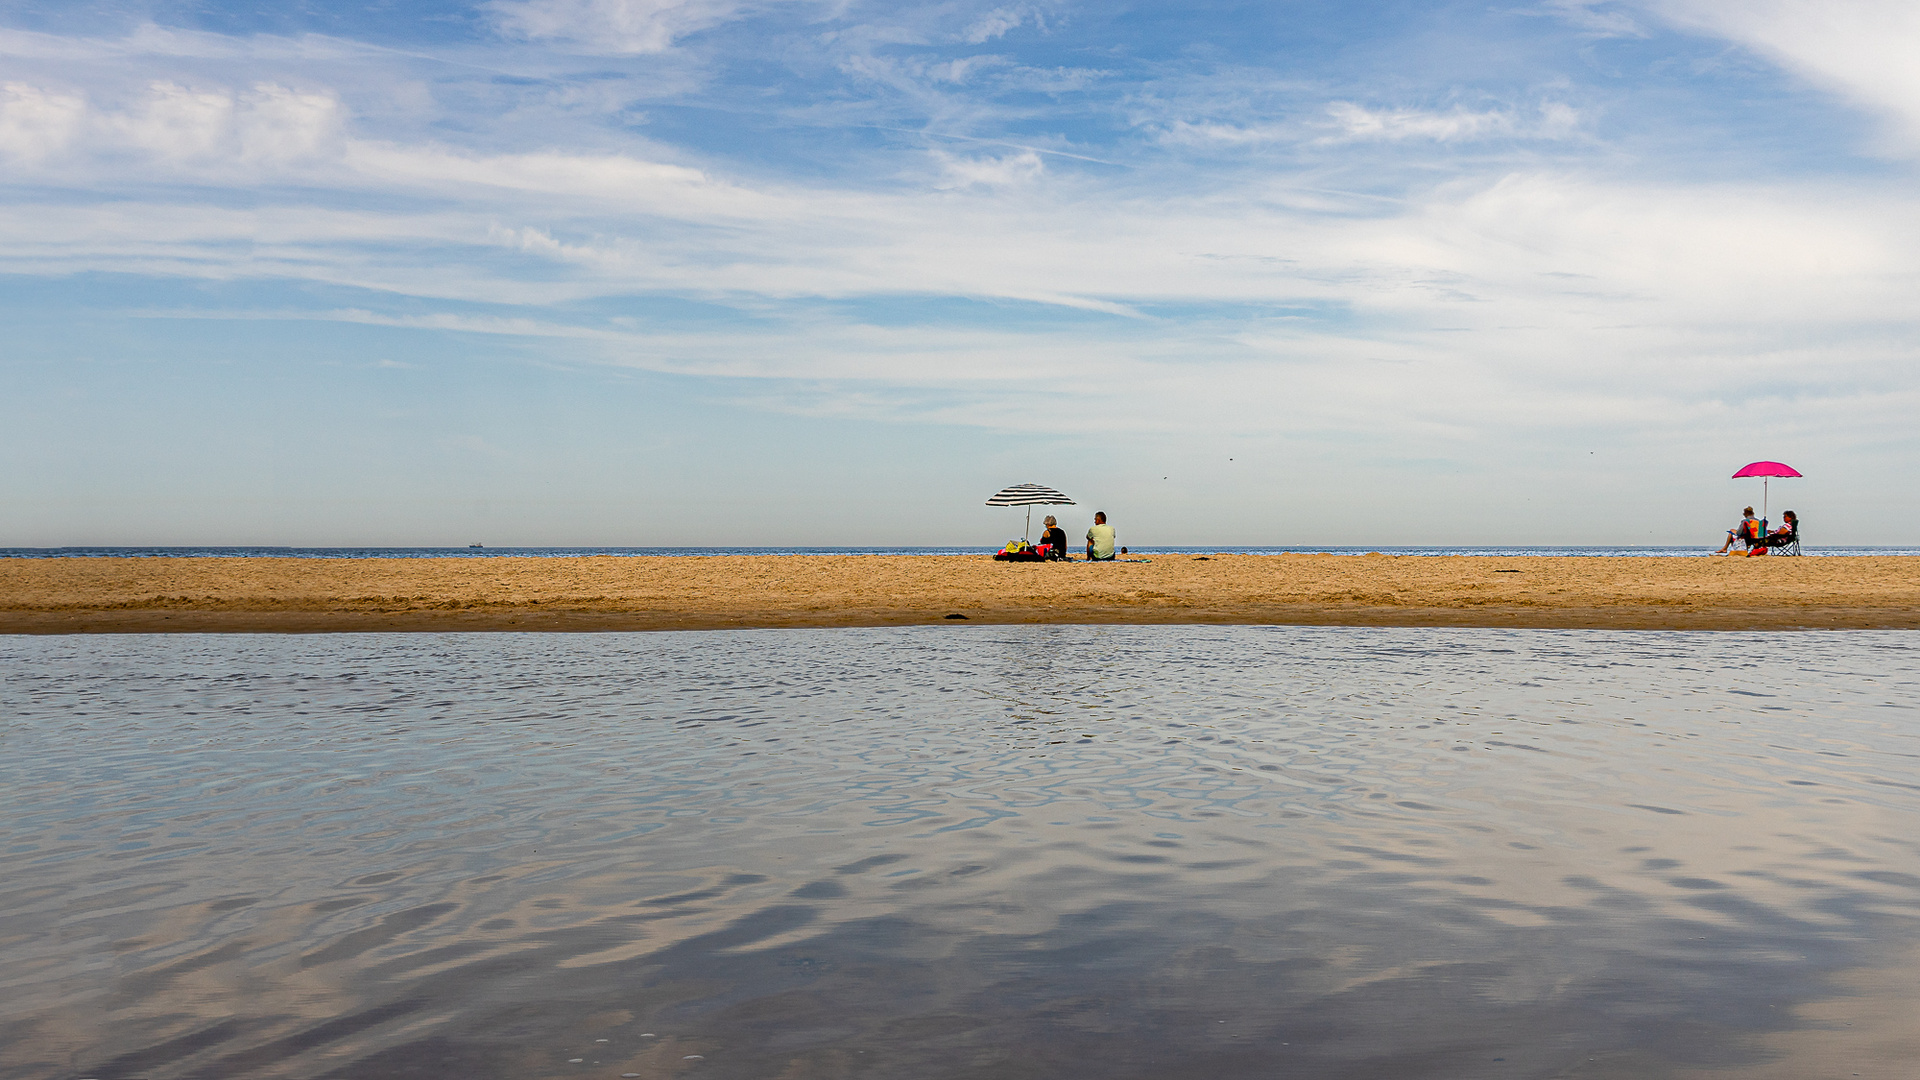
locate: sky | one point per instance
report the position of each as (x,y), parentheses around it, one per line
(666,272)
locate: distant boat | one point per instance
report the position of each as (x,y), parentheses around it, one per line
(476,545)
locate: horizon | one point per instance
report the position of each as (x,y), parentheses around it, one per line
(1138,548)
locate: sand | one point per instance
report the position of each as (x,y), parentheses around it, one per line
(79,595)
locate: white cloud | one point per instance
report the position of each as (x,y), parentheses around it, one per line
(1182,132)
(215,134)
(1592,253)
(997,23)
(613,223)
(1865,50)
(36,124)
(1356,122)
(177,122)
(620,181)
(149,41)
(170,124)
(1569,257)
(1008,169)
(274,123)
(617,27)
(1603,18)
(961,70)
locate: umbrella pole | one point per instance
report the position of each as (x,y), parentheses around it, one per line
(1764,481)
(1028,531)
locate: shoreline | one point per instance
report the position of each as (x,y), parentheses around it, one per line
(1732,621)
(638,593)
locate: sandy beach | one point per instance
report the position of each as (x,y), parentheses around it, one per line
(92,595)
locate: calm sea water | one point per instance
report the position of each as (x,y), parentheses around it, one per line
(944,852)
(563,552)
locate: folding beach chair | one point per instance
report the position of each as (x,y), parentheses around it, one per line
(1787,543)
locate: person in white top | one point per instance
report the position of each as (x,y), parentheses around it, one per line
(1100,539)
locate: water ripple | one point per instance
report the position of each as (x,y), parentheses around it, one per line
(957,851)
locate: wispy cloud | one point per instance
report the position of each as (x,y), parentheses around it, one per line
(36,124)
(613,27)
(1552,121)
(147,40)
(1862,49)
(1351,122)
(196,129)
(1001,21)
(1602,18)
(1000,171)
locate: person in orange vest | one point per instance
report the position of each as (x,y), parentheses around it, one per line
(1748,531)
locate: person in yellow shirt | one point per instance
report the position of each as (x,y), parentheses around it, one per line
(1100,539)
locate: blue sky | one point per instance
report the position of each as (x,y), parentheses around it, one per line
(711,271)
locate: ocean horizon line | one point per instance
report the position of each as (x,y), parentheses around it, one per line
(711,550)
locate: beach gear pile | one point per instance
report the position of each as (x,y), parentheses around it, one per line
(1022,551)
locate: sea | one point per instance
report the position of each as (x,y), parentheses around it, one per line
(1110,853)
(478,552)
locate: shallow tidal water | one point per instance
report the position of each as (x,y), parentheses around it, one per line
(933,852)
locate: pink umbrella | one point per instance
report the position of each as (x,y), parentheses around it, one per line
(1766,470)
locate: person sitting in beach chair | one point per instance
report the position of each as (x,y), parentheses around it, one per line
(1750,531)
(1785,539)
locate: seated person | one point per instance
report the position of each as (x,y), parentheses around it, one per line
(1100,539)
(1779,537)
(1055,538)
(1748,531)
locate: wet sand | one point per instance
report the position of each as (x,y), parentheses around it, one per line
(89,595)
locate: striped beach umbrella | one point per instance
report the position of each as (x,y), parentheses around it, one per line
(1029,496)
